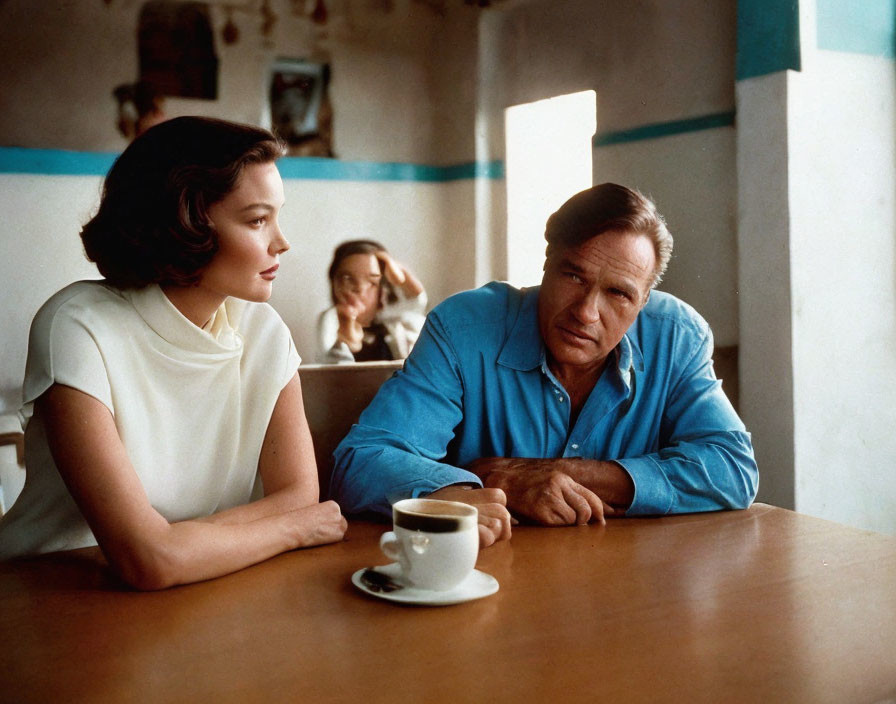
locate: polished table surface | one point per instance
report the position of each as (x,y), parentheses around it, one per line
(763,605)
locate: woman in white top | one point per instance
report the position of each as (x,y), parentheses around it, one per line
(378,306)
(159,397)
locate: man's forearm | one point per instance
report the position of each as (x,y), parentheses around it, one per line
(607,479)
(375,474)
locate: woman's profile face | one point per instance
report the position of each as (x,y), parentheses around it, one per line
(358,278)
(249,238)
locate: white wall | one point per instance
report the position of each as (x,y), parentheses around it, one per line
(40,252)
(60,61)
(843,258)
(817,181)
(321,214)
(693,180)
(400,92)
(649,62)
(766,346)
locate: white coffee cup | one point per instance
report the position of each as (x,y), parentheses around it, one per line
(435,542)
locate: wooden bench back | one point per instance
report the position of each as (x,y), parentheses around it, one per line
(334,396)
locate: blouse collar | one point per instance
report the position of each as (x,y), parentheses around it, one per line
(218,337)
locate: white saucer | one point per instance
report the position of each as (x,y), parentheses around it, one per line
(476,586)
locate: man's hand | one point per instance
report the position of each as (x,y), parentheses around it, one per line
(494,518)
(539,490)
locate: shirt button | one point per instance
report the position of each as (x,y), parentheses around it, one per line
(575,446)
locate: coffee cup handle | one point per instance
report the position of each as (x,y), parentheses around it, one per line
(390,546)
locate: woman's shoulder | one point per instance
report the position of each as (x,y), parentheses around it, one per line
(84,300)
(84,292)
(403,309)
(266,337)
(65,337)
(327,316)
(327,327)
(401,298)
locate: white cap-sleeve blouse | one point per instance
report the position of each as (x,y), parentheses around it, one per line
(191,405)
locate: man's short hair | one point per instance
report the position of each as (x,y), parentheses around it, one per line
(607,207)
(153,225)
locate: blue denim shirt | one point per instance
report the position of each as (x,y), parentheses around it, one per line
(477,385)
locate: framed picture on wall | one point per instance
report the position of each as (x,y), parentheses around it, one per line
(176,48)
(300,107)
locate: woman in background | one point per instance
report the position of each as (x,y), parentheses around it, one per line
(140,106)
(378,306)
(156,397)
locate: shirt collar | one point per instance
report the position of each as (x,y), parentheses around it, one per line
(628,359)
(524,348)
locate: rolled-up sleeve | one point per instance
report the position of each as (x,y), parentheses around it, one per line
(396,449)
(705,461)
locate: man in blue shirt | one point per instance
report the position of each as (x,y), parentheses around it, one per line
(586,397)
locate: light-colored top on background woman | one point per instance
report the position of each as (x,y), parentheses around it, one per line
(181,396)
(378,310)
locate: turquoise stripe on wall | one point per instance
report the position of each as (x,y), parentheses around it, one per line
(858,26)
(336,170)
(768,37)
(665,129)
(17,160)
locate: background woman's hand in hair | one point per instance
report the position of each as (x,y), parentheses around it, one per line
(399,275)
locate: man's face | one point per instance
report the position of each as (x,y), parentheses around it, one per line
(590,295)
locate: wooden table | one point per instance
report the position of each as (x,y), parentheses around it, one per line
(763,605)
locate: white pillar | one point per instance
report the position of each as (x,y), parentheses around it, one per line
(766,346)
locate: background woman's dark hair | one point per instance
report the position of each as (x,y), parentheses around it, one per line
(347,249)
(152,225)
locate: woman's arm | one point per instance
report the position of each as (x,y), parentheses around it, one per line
(146,550)
(287,466)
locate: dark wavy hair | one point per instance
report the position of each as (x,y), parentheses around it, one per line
(347,249)
(152,225)
(606,207)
